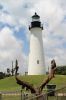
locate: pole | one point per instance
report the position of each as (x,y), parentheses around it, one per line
(21,93)
(0,96)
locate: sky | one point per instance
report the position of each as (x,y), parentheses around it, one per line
(15,18)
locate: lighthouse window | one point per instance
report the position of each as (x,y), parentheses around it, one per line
(37,61)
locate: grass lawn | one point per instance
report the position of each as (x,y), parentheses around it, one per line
(9,84)
(11,97)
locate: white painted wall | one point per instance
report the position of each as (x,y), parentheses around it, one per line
(36,53)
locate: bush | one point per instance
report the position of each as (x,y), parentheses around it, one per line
(61,70)
(2,75)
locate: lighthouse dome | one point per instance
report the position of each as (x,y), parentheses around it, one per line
(35,17)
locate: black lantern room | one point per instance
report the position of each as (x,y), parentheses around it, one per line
(35,22)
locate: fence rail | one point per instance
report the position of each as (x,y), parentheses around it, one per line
(60,94)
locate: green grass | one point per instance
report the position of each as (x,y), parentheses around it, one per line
(11,97)
(59,80)
(9,84)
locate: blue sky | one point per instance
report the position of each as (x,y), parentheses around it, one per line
(21,34)
(15,17)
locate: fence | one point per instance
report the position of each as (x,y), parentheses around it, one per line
(60,94)
(15,95)
(10,95)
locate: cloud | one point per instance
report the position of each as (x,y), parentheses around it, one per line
(52,14)
(10,48)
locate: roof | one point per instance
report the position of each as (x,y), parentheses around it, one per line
(35,16)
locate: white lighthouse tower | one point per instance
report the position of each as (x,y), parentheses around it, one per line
(36,54)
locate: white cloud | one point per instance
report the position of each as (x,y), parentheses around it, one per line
(52,13)
(10,48)
(7,18)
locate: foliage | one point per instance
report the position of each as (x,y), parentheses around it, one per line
(61,70)
(2,75)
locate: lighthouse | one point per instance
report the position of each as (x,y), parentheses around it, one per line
(36,64)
